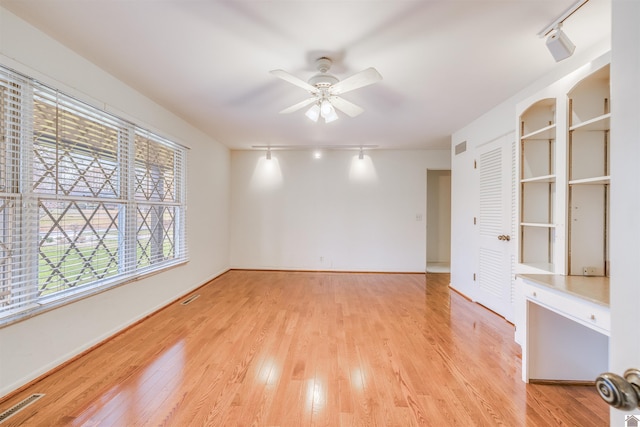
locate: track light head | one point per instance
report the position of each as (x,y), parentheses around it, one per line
(559,44)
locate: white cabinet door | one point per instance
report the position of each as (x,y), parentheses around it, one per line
(495,225)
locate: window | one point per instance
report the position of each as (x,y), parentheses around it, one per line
(87,200)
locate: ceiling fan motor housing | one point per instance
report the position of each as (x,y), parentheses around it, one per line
(323,64)
(323,79)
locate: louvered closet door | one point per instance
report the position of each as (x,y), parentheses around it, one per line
(495,225)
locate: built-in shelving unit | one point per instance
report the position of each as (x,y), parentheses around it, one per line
(564,179)
(564,182)
(588,176)
(538,184)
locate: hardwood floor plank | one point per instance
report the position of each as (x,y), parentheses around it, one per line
(309,349)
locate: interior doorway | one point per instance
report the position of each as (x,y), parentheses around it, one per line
(438,221)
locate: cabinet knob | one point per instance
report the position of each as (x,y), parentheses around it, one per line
(505,237)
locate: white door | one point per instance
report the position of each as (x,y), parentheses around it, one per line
(625,194)
(495,225)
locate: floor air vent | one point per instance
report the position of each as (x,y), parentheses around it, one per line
(19,406)
(190,299)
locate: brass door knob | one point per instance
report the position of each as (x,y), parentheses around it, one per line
(505,237)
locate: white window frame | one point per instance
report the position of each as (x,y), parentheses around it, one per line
(27,225)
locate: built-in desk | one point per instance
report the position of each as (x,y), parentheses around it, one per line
(566,322)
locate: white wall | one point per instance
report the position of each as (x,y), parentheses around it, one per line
(439,216)
(34,346)
(333,213)
(495,123)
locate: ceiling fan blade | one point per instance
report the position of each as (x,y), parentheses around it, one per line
(358,80)
(298,106)
(347,107)
(294,80)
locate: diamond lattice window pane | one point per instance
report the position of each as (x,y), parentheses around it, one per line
(78,244)
(156,227)
(155,166)
(74,155)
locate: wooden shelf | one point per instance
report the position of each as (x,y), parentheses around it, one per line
(597,180)
(540,179)
(547,132)
(601,123)
(537,224)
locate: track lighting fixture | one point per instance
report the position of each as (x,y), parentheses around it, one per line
(559,44)
(317,149)
(557,41)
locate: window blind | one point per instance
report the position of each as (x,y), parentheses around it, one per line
(17,272)
(87,200)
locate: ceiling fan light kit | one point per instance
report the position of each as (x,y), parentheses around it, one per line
(313,113)
(325,90)
(327,111)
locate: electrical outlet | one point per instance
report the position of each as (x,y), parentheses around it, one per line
(588,271)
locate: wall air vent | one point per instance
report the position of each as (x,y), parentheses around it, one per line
(461,148)
(190,299)
(19,406)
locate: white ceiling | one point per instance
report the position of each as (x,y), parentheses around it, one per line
(443,62)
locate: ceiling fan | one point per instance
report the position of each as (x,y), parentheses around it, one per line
(325,90)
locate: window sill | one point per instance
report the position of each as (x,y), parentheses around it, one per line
(53,302)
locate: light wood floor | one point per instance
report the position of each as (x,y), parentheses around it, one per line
(307,349)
